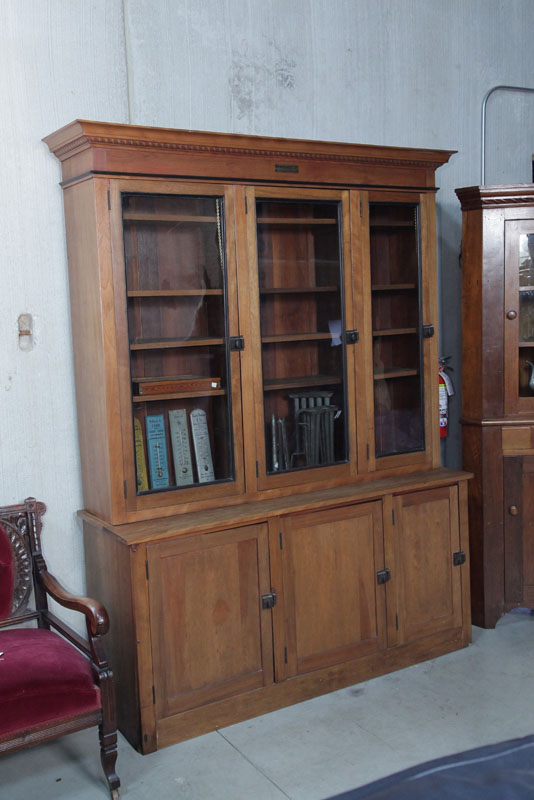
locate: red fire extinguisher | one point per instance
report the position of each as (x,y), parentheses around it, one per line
(446,390)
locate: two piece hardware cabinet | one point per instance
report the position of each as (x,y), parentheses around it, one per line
(254,325)
(498,394)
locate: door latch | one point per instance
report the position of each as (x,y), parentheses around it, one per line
(269,600)
(458,558)
(383,576)
(237,343)
(428,331)
(351,337)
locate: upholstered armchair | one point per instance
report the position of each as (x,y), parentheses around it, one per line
(52,681)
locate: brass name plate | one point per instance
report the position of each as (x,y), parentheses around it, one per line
(286,168)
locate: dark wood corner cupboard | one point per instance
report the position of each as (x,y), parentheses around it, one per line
(256,367)
(498,394)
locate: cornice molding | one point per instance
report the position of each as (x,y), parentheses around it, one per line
(473,197)
(83,136)
(72,147)
(84,142)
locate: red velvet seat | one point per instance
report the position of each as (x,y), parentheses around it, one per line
(50,684)
(56,682)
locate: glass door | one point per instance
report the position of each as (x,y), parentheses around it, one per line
(396,328)
(519,316)
(303,336)
(174,248)
(526,315)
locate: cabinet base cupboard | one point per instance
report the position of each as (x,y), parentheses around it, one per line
(218,618)
(254,326)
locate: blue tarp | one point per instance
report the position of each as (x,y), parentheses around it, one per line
(503,771)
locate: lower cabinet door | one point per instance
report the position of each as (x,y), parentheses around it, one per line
(334,609)
(528,531)
(519,531)
(426,584)
(210,637)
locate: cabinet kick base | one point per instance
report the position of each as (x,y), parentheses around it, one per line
(226,712)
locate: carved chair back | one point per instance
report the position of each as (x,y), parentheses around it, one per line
(22,523)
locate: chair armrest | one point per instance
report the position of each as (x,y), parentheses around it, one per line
(96,614)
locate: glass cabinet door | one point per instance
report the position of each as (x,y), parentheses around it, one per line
(519,322)
(174,248)
(526,314)
(303,335)
(396,328)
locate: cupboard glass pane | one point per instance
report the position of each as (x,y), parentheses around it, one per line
(302,333)
(396,321)
(177,330)
(526,315)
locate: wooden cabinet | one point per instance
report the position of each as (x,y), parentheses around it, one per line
(254,325)
(219,617)
(498,393)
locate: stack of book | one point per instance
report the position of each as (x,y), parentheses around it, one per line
(156,474)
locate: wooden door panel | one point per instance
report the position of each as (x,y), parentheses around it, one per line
(335,611)
(528,531)
(299,255)
(210,638)
(518,330)
(518,514)
(402,288)
(513,511)
(427,585)
(149,260)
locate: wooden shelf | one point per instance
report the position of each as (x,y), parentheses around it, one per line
(301,290)
(174,292)
(277,384)
(295,337)
(158,344)
(395,373)
(393,287)
(133,216)
(526,344)
(395,332)
(526,288)
(295,221)
(148,398)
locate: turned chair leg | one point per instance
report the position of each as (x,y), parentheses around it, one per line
(108,757)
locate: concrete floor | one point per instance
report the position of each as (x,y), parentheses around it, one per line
(479,695)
